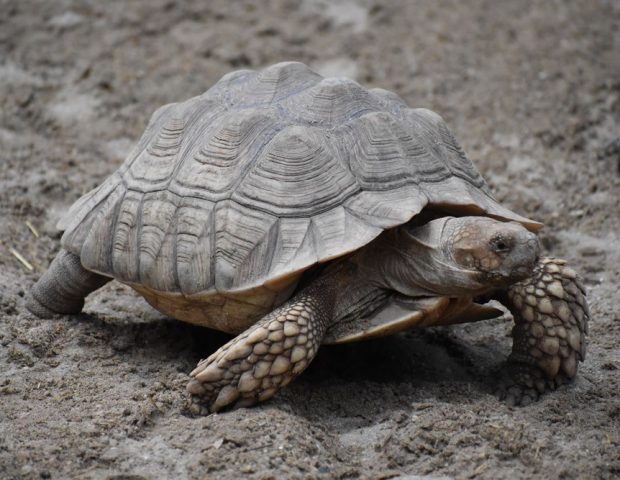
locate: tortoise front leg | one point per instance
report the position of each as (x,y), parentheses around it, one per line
(549,337)
(255,365)
(63,287)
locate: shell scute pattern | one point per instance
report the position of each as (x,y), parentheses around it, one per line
(329,103)
(245,240)
(430,129)
(156,241)
(264,175)
(216,165)
(296,175)
(251,89)
(125,238)
(384,155)
(195,245)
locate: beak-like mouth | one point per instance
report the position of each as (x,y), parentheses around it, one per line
(520,273)
(531,251)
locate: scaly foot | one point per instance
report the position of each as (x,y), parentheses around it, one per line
(551,323)
(255,365)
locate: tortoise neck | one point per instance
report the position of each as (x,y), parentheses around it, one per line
(414,263)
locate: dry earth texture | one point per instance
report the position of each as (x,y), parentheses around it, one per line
(532,91)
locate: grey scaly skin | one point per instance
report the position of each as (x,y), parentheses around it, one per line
(549,336)
(63,287)
(255,365)
(468,256)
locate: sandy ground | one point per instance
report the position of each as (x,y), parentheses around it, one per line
(532,91)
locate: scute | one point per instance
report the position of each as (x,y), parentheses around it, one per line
(261,177)
(430,130)
(123,238)
(224,153)
(155,163)
(387,208)
(297,174)
(273,84)
(245,240)
(384,155)
(195,228)
(330,102)
(157,241)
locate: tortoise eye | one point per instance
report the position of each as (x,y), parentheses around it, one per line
(501,244)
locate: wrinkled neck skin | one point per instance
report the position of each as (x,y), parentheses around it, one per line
(415,263)
(410,263)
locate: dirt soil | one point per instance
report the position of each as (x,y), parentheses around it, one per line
(531,90)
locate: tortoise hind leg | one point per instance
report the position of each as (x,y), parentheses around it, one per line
(551,323)
(63,287)
(255,365)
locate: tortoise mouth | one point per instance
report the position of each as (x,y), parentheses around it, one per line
(498,278)
(522,272)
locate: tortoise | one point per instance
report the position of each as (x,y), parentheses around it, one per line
(294,210)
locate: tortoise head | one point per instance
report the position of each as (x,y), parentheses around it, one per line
(500,253)
(458,256)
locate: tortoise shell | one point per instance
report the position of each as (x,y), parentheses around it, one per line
(229,196)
